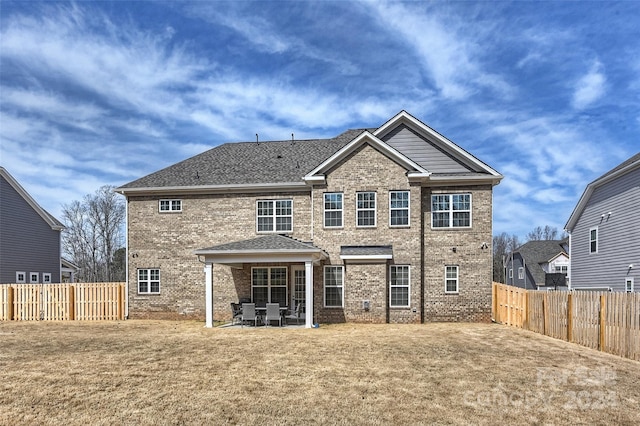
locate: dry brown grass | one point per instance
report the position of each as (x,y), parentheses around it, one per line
(144,372)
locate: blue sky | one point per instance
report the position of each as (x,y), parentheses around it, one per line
(95,93)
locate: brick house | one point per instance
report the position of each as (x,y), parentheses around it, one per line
(392,224)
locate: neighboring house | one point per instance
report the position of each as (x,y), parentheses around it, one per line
(539,265)
(382,225)
(29,237)
(604,231)
(69,271)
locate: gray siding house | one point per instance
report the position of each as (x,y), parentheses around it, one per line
(29,237)
(384,225)
(534,265)
(604,231)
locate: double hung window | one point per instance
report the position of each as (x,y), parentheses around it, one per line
(399,208)
(399,285)
(333,286)
(148,281)
(451,279)
(451,210)
(274,215)
(593,240)
(333,212)
(366,209)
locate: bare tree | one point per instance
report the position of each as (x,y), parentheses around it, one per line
(502,245)
(546,233)
(94,233)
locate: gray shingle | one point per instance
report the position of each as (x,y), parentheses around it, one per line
(537,252)
(248,163)
(274,242)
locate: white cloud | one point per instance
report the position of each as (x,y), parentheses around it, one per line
(447,47)
(590,87)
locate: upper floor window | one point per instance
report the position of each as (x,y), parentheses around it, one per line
(333,213)
(274,215)
(170,206)
(333,286)
(561,269)
(451,210)
(399,286)
(149,281)
(399,208)
(21,277)
(593,240)
(521,273)
(366,209)
(451,284)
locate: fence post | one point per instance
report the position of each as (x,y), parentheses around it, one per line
(119,308)
(569,317)
(494,301)
(544,314)
(525,314)
(10,303)
(72,302)
(603,306)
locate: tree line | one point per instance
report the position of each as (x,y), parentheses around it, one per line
(93,238)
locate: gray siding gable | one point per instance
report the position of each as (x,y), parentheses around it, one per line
(424,152)
(28,243)
(618,235)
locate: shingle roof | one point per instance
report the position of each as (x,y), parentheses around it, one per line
(270,243)
(537,252)
(247,163)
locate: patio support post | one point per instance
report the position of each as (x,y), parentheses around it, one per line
(208,294)
(308,273)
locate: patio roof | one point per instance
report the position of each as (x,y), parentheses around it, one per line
(366,253)
(267,248)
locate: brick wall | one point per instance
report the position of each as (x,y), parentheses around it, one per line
(167,241)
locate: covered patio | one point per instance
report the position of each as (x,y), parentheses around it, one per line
(265,250)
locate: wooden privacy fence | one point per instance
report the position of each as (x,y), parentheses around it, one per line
(62,302)
(606,321)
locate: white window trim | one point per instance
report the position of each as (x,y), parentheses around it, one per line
(171,205)
(375,209)
(597,240)
(511,273)
(269,286)
(628,281)
(407,286)
(24,277)
(521,273)
(457,279)
(451,211)
(324,211)
(31,280)
(274,217)
(46,277)
(324,286)
(408,208)
(149,280)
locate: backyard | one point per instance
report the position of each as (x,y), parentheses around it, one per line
(162,372)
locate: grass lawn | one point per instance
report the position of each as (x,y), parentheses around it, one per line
(162,372)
